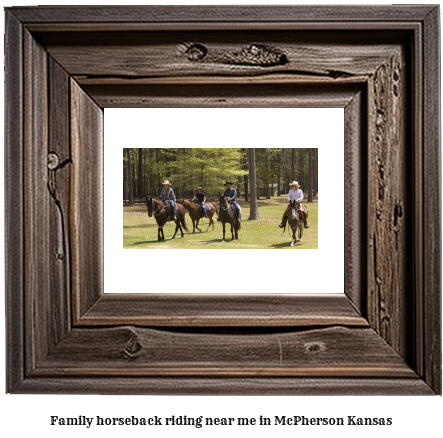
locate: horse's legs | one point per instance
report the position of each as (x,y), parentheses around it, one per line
(236,233)
(232,231)
(293,236)
(181,229)
(210,220)
(223,223)
(175,232)
(159,233)
(163,233)
(196,225)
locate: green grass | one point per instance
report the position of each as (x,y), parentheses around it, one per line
(140,231)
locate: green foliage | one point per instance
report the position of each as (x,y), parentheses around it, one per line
(188,168)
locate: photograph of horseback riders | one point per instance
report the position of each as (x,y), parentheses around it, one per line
(217,198)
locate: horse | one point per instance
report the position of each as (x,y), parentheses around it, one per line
(227,214)
(162,215)
(295,221)
(196,214)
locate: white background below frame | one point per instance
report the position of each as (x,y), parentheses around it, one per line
(252,270)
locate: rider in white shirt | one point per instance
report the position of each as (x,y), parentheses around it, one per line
(295,194)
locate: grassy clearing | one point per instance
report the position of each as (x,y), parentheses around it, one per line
(140,231)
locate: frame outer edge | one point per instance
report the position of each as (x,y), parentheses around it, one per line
(14,239)
(14,202)
(432,201)
(220,13)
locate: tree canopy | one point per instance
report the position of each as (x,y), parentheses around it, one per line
(210,168)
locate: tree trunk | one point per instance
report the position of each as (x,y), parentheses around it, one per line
(253,215)
(246,187)
(286,182)
(125,178)
(159,187)
(301,180)
(268,196)
(140,173)
(316,175)
(311,176)
(245,177)
(278,175)
(293,166)
(130,185)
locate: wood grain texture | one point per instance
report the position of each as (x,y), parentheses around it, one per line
(78,60)
(227,14)
(86,200)
(14,239)
(432,334)
(37,257)
(224,96)
(240,310)
(165,54)
(355,195)
(59,180)
(226,386)
(388,204)
(129,351)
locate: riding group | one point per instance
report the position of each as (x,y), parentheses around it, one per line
(167,209)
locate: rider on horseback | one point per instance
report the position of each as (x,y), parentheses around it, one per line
(200,197)
(295,194)
(231,194)
(168,194)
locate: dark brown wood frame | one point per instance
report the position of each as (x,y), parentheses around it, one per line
(64,65)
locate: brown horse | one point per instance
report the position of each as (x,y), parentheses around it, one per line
(158,209)
(196,214)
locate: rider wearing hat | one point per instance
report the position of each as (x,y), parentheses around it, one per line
(200,197)
(168,194)
(231,194)
(295,194)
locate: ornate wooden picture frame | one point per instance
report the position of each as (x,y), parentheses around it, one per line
(65,64)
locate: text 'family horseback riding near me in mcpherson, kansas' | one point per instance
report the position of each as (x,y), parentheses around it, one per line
(202,421)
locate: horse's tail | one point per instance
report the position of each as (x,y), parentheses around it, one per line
(216,209)
(237,224)
(184,223)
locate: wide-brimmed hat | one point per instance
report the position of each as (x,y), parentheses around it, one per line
(294,183)
(166,182)
(199,188)
(227,182)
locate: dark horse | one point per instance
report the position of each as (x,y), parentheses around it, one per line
(162,215)
(295,221)
(196,214)
(227,214)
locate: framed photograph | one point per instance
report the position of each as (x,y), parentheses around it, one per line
(368,320)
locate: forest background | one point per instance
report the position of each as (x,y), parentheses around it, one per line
(272,169)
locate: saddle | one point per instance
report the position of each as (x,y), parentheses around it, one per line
(169,209)
(231,205)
